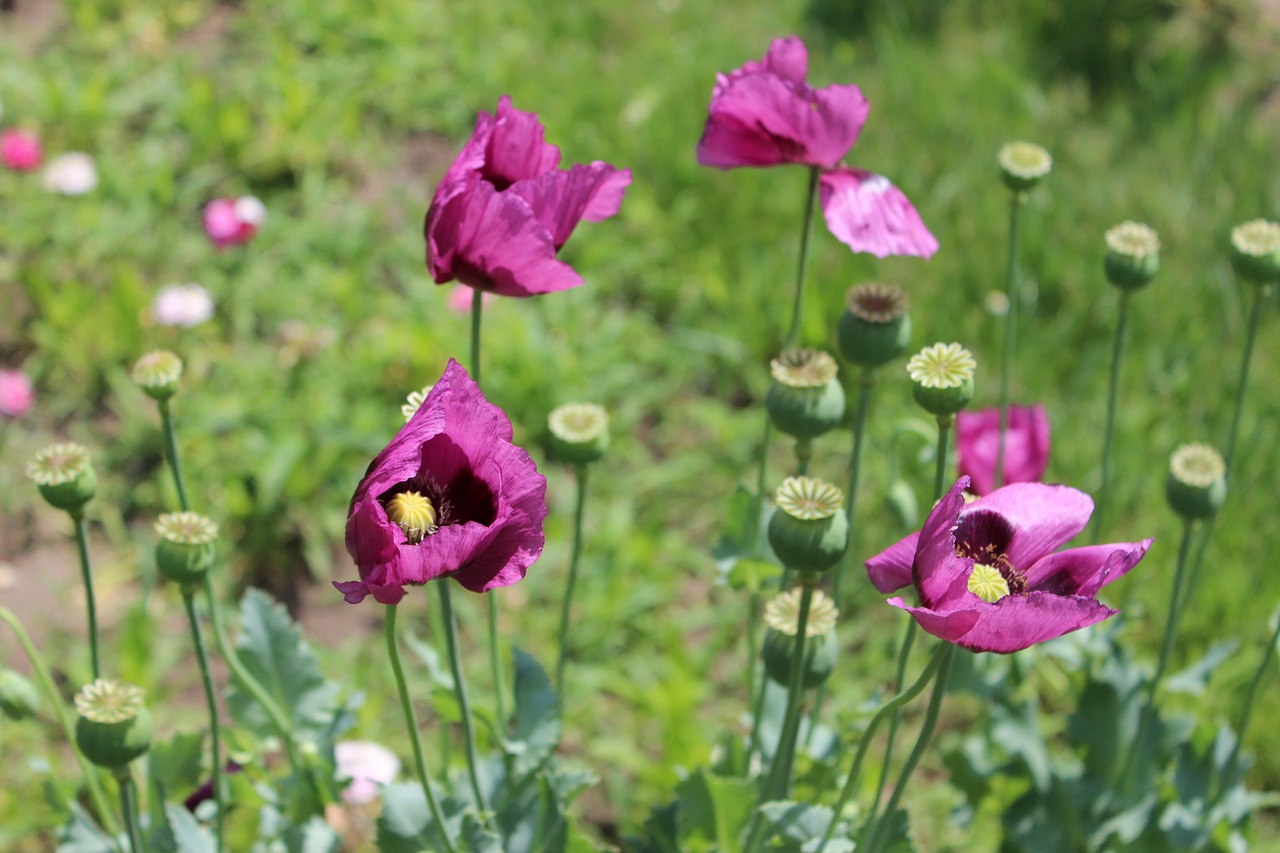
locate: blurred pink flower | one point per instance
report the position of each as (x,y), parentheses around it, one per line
(504,209)
(233,221)
(182,305)
(461,297)
(16,393)
(368,765)
(1026,445)
(766,114)
(72,173)
(20,151)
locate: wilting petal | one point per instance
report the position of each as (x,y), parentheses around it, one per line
(941,577)
(869,214)
(1026,450)
(1043,517)
(1013,623)
(562,199)
(1084,571)
(890,570)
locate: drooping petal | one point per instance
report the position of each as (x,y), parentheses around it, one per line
(1084,571)
(562,199)
(1043,517)
(1013,623)
(1026,452)
(951,626)
(890,570)
(942,578)
(869,214)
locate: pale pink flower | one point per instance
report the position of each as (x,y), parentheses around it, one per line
(72,173)
(461,298)
(16,393)
(233,221)
(20,151)
(368,765)
(182,305)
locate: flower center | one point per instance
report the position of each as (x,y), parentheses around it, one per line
(942,366)
(987,583)
(414,514)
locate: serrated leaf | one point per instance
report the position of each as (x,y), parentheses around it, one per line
(175,764)
(1017,730)
(799,828)
(537,718)
(273,649)
(81,834)
(314,836)
(477,838)
(714,810)
(531,819)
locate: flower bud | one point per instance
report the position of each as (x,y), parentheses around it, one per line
(808,530)
(1197,483)
(158,373)
(578,433)
(185,551)
(1133,255)
(1255,251)
(1023,164)
(943,378)
(875,329)
(114,726)
(805,399)
(64,476)
(821,646)
(18,697)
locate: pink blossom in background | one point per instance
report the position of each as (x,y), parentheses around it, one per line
(461,297)
(504,208)
(20,151)
(368,765)
(766,114)
(73,173)
(182,305)
(16,393)
(233,221)
(1026,445)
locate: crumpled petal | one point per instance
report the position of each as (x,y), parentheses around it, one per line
(1084,571)
(1044,518)
(869,214)
(890,570)
(942,578)
(1026,450)
(562,199)
(1013,623)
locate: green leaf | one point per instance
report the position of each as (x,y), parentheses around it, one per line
(531,818)
(477,839)
(537,723)
(314,836)
(799,827)
(273,649)
(753,575)
(406,824)
(81,834)
(1195,678)
(175,764)
(714,810)
(895,833)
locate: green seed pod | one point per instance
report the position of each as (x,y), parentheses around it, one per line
(114,726)
(157,373)
(578,433)
(1197,483)
(942,377)
(64,476)
(1023,164)
(805,399)
(782,615)
(185,551)
(1133,255)
(1255,251)
(875,329)
(18,697)
(808,530)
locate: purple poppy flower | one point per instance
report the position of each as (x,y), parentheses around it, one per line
(504,209)
(765,114)
(1026,445)
(450,496)
(989,575)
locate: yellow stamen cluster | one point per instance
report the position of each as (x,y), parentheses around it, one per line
(414,514)
(987,583)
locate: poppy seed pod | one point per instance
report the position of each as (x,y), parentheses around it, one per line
(1197,483)
(157,373)
(114,726)
(1255,251)
(808,530)
(185,551)
(805,399)
(875,327)
(1133,255)
(64,476)
(821,646)
(578,433)
(1023,164)
(942,378)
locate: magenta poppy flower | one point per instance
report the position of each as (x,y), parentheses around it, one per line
(20,151)
(504,208)
(1026,446)
(450,496)
(233,221)
(766,114)
(989,575)
(16,394)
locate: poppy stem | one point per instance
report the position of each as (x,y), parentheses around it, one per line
(419,762)
(805,231)
(171,452)
(944,445)
(215,736)
(1117,350)
(900,674)
(86,575)
(1013,295)
(1247,712)
(865,388)
(941,654)
(460,691)
(129,808)
(581,471)
(1171,623)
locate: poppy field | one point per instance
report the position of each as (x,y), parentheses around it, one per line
(649,427)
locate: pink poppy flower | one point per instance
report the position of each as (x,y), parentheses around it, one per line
(766,114)
(233,221)
(462,297)
(504,208)
(450,496)
(16,394)
(20,151)
(1026,445)
(368,765)
(989,575)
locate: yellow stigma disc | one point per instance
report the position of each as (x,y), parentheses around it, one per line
(414,514)
(987,583)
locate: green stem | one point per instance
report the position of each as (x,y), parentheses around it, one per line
(804,455)
(779,781)
(944,445)
(900,674)
(129,807)
(171,450)
(460,690)
(1260,294)
(215,736)
(922,743)
(1246,713)
(86,575)
(755,692)
(572,580)
(855,469)
(1010,332)
(940,655)
(1175,610)
(94,785)
(810,196)
(1117,351)
(411,723)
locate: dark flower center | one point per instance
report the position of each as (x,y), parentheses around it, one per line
(984,537)
(421,506)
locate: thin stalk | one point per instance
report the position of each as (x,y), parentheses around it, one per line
(1117,351)
(171,450)
(810,196)
(804,455)
(940,655)
(1010,331)
(922,743)
(460,691)
(944,445)
(86,575)
(904,654)
(572,580)
(411,723)
(129,807)
(1246,714)
(1175,610)
(215,736)
(91,780)
(755,692)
